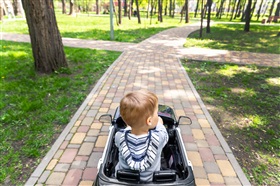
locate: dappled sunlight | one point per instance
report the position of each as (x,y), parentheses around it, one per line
(205,52)
(147,70)
(173,94)
(273,81)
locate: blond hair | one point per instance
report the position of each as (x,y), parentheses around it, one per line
(136,107)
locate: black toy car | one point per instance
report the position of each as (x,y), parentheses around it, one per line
(176,169)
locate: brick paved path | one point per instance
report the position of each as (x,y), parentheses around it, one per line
(154,65)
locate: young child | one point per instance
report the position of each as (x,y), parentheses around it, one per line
(141,143)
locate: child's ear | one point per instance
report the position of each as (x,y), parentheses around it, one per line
(149,121)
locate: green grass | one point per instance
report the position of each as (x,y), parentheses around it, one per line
(261,38)
(244,103)
(98,27)
(34,108)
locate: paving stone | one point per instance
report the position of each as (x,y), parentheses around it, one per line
(74,146)
(83,129)
(81,158)
(202,143)
(86,149)
(90,174)
(96,126)
(198,134)
(44,177)
(73,177)
(212,140)
(69,137)
(232,181)
(202,182)
(91,113)
(58,154)
(86,183)
(68,156)
(77,123)
(93,132)
(73,130)
(52,164)
(217,150)
(87,121)
(187,138)
(90,139)
(206,154)
(63,145)
(101,141)
(78,138)
(221,157)
(199,172)
(204,123)
(215,178)
(185,129)
(195,158)
(56,178)
(226,168)
(211,167)
(191,147)
(62,167)
(94,159)
(78,164)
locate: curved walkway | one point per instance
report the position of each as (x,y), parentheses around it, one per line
(154,65)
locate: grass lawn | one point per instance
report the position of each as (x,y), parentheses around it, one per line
(34,108)
(261,38)
(243,100)
(244,103)
(98,27)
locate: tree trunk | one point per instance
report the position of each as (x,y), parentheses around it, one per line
(228,9)
(232,11)
(138,11)
(45,38)
(196,9)
(160,10)
(271,8)
(72,10)
(209,4)
(277,12)
(125,8)
(259,10)
(15,6)
(237,8)
(187,19)
(63,7)
(247,16)
(120,11)
(97,7)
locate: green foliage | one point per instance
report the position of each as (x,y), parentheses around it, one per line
(98,27)
(34,107)
(246,108)
(261,38)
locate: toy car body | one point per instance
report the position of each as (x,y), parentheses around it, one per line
(176,169)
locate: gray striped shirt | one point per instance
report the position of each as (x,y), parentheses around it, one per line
(141,152)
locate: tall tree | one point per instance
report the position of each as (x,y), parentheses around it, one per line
(120,11)
(97,7)
(187,20)
(72,9)
(63,7)
(138,11)
(196,8)
(248,16)
(271,8)
(209,4)
(259,10)
(160,10)
(45,38)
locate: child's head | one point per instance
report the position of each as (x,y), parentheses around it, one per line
(137,107)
